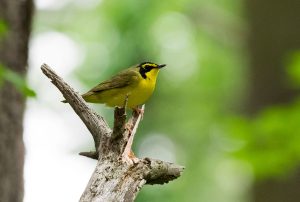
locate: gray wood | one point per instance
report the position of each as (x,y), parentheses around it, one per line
(118,176)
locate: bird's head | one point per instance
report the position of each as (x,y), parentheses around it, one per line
(149,69)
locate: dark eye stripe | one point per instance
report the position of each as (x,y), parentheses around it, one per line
(144,70)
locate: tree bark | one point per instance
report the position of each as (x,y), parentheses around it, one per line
(119,175)
(15,16)
(274,33)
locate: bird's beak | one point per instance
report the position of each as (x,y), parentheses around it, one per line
(161,66)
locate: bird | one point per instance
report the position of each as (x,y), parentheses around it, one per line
(136,84)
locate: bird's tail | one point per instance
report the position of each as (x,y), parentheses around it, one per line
(83,96)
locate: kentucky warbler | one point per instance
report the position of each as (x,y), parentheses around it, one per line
(137,82)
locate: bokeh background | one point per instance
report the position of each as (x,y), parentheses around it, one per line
(226,107)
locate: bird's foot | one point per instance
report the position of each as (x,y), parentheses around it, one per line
(138,111)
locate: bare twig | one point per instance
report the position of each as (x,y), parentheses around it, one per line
(129,134)
(90,154)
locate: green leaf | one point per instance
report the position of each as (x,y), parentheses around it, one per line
(17,80)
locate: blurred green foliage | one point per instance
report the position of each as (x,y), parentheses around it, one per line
(270,141)
(293,67)
(7,74)
(197,94)
(3,28)
(17,80)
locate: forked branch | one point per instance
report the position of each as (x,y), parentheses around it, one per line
(118,175)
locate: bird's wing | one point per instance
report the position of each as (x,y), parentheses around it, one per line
(122,79)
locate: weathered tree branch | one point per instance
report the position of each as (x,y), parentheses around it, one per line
(96,124)
(118,175)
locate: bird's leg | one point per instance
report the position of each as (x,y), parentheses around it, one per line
(136,111)
(126,101)
(128,126)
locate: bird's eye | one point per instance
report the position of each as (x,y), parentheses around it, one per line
(148,68)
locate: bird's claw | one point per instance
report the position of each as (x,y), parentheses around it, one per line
(139,112)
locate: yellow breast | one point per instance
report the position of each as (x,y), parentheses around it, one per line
(138,93)
(141,93)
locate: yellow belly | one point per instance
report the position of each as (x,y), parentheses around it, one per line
(137,94)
